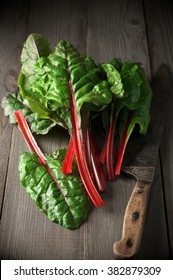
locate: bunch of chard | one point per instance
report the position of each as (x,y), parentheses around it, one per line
(68,89)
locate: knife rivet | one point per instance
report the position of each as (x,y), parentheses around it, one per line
(135,216)
(140,191)
(129,243)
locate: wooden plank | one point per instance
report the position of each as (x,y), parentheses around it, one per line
(159,25)
(57,21)
(12,33)
(160,39)
(117,29)
(103,30)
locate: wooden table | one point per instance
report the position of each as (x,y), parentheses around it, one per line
(132,30)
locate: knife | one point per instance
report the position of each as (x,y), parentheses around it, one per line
(139,162)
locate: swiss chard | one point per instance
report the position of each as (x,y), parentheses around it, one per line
(61,197)
(140,114)
(59,87)
(67,88)
(131,105)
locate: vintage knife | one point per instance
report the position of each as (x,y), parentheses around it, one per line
(140,161)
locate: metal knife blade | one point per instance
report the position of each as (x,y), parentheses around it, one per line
(140,161)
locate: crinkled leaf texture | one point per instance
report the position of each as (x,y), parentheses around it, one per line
(131,105)
(13,102)
(114,80)
(56,76)
(141,114)
(132,93)
(65,202)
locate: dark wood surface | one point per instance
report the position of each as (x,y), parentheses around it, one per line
(132,30)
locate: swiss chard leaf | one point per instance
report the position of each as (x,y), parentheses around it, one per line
(127,83)
(61,197)
(135,92)
(13,102)
(54,77)
(114,80)
(140,115)
(36,46)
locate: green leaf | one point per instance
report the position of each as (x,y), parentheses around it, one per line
(35,47)
(131,83)
(140,115)
(13,102)
(59,74)
(64,201)
(97,99)
(114,80)
(117,63)
(124,81)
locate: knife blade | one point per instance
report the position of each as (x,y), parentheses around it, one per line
(139,162)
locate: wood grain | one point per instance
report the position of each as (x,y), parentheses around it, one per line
(160,39)
(102,29)
(118,30)
(11,21)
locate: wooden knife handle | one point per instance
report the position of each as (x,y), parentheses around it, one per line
(133,223)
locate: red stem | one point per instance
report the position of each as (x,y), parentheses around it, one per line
(109,150)
(80,155)
(28,135)
(98,165)
(102,156)
(89,153)
(86,142)
(107,153)
(68,160)
(122,149)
